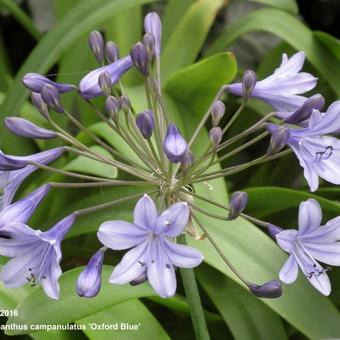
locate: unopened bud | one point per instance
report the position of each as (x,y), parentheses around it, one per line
(187,160)
(153,25)
(215,135)
(304,112)
(112,107)
(111,52)
(269,290)
(140,58)
(41,106)
(96,43)
(217,112)
(238,203)
(51,97)
(125,103)
(174,145)
(104,82)
(248,83)
(149,43)
(145,123)
(280,136)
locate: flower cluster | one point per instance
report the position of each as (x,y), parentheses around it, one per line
(165,164)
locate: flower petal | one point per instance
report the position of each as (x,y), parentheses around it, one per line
(119,235)
(173,220)
(328,253)
(145,213)
(183,256)
(310,216)
(330,232)
(131,266)
(50,282)
(289,272)
(286,239)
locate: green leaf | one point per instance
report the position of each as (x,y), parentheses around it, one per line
(85,165)
(289,29)
(37,308)
(197,84)
(263,200)
(247,316)
(79,20)
(286,5)
(329,41)
(186,41)
(132,313)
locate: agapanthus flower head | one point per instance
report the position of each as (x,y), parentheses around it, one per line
(96,43)
(140,58)
(174,145)
(11,179)
(238,203)
(111,52)
(145,122)
(89,87)
(35,255)
(282,89)
(308,245)
(89,280)
(269,290)
(35,83)
(153,253)
(51,97)
(153,25)
(25,128)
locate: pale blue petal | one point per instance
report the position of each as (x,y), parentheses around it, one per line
(328,253)
(330,232)
(286,239)
(50,282)
(310,216)
(289,272)
(145,213)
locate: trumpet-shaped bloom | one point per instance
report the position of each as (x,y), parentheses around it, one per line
(89,86)
(35,255)
(308,245)
(153,254)
(19,170)
(282,89)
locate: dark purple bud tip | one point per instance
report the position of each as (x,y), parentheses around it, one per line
(215,135)
(140,58)
(303,113)
(174,145)
(280,136)
(217,112)
(51,97)
(112,107)
(149,43)
(273,230)
(248,83)
(105,83)
(269,290)
(139,280)
(41,106)
(111,52)
(145,123)
(25,128)
(96,43)
(238,203)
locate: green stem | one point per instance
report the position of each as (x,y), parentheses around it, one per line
(194,300)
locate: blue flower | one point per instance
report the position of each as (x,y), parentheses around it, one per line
(309,244)
(36,255)
(89,86)
(153,255)
(281,90)
(15,174)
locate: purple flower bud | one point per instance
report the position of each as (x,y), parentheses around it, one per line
(96,43)
(238,203)
(35,83)
(217,112)
(273,230)
(104,82)
(303,113)
(89,86)
(140,58)
(270,290)
(139,280)
(51,97)
(174,145)
(280,136)
(145,123)
(215,135)
(153,25)
(125,103)
(149,43)
(25,128)
(112,107)
(111,52)
(89,280)
(8,163)
(248,83)
(41,106)
(187,159)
